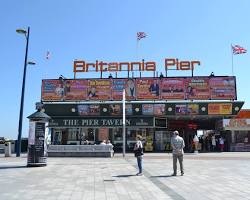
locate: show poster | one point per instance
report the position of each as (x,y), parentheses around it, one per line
(128,109)
(83,110)
(115,109)
(147,89)
(52,90)
(193,109)
(99,89)
(75,89)
(147,109)
(197,88)
(173,88)
(119,85)
(181,109)
(220,108)
(94,109)
(159,109)
(223,88)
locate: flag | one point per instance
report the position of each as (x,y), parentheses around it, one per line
(238,49)
(141,35)
(48,55)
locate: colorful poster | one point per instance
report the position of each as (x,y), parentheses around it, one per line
(159,109)
(173,88)
(83,110)
(99,89)
(119,85)
(147,88)
(52,90)
(181,109)
(75,89)
(193,109)
(222,88)
(115,109)
(94,109)
(220,108)
(197,88)
(147,109)
(128,109)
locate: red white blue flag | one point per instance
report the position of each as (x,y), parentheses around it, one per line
(238,49)
(141,35)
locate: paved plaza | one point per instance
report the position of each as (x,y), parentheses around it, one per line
(207,176)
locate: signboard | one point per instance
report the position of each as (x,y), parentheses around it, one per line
(147,88)
(220,108)
(172,88)
(159,109)
(236,124)
(99,89)
(119,85)
(147,109)
(36,153)
(197,88)
(222,87)
(101,122)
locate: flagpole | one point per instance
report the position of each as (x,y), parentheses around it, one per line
(123,123)
(232,59)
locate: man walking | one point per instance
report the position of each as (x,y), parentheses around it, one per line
(177,144)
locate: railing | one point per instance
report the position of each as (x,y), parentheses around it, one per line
(81,150)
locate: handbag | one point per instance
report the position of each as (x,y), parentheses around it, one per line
(138,152)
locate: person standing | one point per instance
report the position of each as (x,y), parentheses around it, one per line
(221,141)
(177,144)
(138,150)
(213,142)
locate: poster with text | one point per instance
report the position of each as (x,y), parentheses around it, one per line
(197,88)
(159,109)
(193,109)
(147,109)
(52,90)
(115,109)
(99,89)
(83,110)
(173,88)
(94,109)
(119,85)
(220,108)
(75,89)
(128,109)
(181,109)
(147,88)
(222,88)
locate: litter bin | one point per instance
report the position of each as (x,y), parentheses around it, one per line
(37,146)
(7,148)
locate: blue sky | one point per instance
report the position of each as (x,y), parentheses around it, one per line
(106,30)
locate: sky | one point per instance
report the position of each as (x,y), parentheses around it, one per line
(106,30)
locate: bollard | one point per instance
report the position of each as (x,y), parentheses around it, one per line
(7,149)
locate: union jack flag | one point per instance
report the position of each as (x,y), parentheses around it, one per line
(238,49)
(141,35)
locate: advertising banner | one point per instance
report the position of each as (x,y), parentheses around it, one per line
(193,109)
(220,108)
(115,109)
(222,88)
(181,109)
(159,109)
(147,88)
(120,84)
(147,109)
(75,89)
(99,89)
(172,88)
(128,109)
(52,90)
(197,88)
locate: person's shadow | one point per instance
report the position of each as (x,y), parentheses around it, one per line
(12,167)
(161,176)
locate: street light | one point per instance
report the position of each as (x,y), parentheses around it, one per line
(19,139)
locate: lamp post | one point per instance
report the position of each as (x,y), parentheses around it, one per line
(19,139)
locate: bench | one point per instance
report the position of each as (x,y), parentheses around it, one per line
(80,151)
